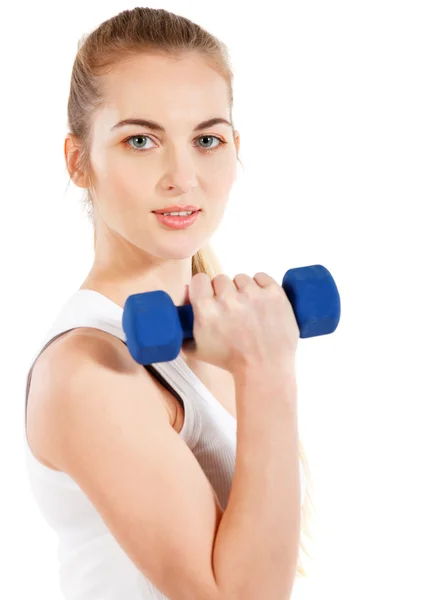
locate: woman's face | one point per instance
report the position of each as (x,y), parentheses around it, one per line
(136,169)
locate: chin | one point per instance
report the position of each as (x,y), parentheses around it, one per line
(175,253)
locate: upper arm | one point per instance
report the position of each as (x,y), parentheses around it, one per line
(109,432)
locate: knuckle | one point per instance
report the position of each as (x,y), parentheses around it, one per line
(227,299)
(204,307)
(264,277)
(230,301)
(221,276)
(199,277)
(247,287)
(248,292)
(277,290)
(221,283)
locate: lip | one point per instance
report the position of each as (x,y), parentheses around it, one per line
(178,222)
(176,209)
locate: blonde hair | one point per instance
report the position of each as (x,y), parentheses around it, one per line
(122,37)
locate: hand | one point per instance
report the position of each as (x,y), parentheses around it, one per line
(240,322)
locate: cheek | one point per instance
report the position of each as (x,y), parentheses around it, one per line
(112,173)
(221,176)
(126,177)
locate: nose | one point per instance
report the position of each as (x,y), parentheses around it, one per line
(181,171)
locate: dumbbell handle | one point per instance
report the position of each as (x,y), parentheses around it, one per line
(316,306)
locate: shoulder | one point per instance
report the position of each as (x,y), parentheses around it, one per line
(83,354)
(89,342)
(82,348)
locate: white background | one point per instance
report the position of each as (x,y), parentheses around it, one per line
(331,101)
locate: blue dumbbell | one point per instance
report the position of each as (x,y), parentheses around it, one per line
(155,328)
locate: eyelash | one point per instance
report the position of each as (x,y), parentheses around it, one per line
(208,151)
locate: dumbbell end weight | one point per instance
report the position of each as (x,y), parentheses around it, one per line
(315,299)
(153,328)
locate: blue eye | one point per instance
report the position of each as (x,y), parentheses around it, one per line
(146,137)
(138,137)
(211,137)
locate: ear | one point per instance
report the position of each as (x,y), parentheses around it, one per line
(72,153)
(237,142)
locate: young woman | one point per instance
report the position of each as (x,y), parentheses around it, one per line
(177,480)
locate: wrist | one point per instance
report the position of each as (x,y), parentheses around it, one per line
(280,371)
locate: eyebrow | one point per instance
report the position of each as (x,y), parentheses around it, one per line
(157,127)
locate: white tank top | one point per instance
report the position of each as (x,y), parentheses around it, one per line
(92,564)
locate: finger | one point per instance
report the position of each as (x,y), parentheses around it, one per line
(222,284)
(201,296)
(200,287)
(242,280)
(264,280)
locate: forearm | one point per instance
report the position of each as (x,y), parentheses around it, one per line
(256,548)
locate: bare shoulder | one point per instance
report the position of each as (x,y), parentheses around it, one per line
(73,354)
(92,343)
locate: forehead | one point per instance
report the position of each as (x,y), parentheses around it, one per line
(168,90)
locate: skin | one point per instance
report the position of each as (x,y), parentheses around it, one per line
(135,253)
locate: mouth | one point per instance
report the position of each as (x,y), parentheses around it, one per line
(157,212)
(177,221)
